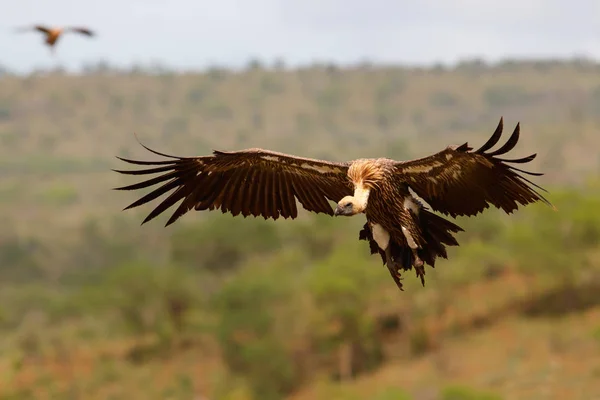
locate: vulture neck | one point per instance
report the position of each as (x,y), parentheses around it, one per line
(361,197)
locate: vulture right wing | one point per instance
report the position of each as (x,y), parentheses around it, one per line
(39,28)
(42,29)
(251,182)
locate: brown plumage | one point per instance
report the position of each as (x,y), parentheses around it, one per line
(455,181)
(53,34)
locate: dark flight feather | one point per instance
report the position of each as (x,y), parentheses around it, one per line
(248,182)
(83,31)
(457,181)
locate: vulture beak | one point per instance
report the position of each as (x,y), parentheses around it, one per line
(337,211)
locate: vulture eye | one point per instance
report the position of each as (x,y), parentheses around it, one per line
(348,205)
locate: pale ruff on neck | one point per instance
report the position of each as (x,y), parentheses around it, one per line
(361,196)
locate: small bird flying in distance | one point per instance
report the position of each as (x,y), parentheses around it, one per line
(53,34)
(456,181)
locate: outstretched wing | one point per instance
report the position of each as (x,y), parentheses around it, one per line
(83,31)
(459,181)
(39,28)
(251,182)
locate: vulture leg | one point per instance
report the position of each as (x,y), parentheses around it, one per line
(418,263)
(382,238)
(419,266)
(420,270)
(393,266)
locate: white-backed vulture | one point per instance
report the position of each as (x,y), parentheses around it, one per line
(455,181)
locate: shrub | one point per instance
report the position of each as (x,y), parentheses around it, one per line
(221,243)
(466,393)
(59,194)
(341,286)
(392,393)
(255,338)
(149,298)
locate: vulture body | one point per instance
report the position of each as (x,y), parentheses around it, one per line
(455,181)
(53,34)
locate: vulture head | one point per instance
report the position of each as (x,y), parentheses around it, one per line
(348,206)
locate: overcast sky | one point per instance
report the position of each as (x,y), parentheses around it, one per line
(192,34)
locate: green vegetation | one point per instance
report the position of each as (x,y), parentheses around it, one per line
(92,305)
(465,393)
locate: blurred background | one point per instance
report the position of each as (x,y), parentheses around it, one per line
(93,306)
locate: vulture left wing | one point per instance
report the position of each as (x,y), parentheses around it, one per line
(459,181)
(81,30)
(251,182)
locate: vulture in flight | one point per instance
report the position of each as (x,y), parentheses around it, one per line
(53,34)
(455,181)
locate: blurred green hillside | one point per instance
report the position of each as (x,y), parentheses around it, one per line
(94,306)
